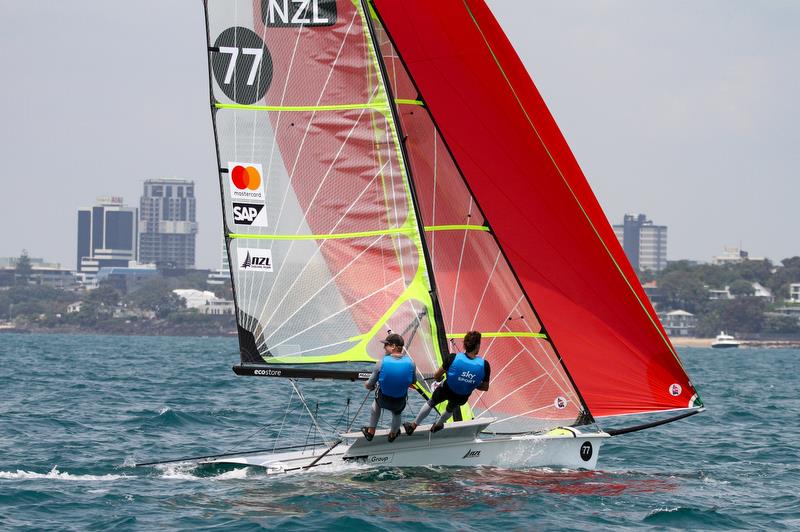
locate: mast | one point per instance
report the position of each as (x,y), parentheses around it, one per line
(437,311)
(587,417)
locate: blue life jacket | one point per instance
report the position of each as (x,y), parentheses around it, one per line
(465,374)
(396,375)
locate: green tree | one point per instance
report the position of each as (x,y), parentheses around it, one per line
(742,288)
(781,324)
(103,295)
(743,315)
(155,295)
(24,269)
(683,290)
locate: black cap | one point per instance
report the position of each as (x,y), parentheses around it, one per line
(394,339)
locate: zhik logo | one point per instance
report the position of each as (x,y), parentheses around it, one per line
(471,454)
(255,259)
(249,214)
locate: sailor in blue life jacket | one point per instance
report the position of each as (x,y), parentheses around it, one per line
(465,372)
(394,373)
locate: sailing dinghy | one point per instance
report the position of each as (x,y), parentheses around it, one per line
(390,165)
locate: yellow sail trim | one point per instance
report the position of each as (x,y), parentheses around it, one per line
(376,106)
(502,335)
(417,289)
(406,230)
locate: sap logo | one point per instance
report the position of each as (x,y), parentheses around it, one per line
(586,451)
(249,214)
(295,13)
(255,259)
(379,459)
(471,454)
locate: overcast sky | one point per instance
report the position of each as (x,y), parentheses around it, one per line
(686,111)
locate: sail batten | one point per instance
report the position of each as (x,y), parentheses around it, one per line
(325,246)
(542,211)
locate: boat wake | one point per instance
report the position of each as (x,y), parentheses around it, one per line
(55,474)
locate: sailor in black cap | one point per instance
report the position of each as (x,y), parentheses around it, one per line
(394,373)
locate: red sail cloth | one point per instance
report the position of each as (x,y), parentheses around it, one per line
(539,205)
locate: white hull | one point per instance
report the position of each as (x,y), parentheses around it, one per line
(459,444)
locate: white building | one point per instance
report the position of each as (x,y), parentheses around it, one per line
(794,293)
(678,322)
(733,255)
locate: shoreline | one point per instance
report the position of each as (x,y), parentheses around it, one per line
(219,332)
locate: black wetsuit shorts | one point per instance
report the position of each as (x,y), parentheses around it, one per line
(444,393)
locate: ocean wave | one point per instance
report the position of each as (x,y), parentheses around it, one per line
(55,474)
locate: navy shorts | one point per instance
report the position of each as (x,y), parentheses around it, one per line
(393,404)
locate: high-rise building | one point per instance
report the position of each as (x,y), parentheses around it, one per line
(644,243)
(167,223)
(107,235)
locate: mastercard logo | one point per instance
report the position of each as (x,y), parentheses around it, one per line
(246,177)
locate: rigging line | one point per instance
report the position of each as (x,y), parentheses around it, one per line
(520,415)
(541,366)
(299,152)
(358,411)
(566,386)
(485,289)
(466,185)
(316,252)
(415,213)
(572,192)
(248,437)
(336,313)
(458,271)
(319,290)
(494,377)
(506,396)
(282,422)
(502,323)
(313,418)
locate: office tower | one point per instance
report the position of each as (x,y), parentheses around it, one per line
(107,235)
(644,243)
(167,223)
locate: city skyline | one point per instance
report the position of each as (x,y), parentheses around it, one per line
(686,114)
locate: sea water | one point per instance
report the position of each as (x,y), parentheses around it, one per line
(77,412)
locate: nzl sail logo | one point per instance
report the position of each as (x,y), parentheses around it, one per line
(245,181)
(249,214)
(254,259)
(296,13)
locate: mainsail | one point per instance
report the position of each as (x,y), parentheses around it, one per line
(390,166)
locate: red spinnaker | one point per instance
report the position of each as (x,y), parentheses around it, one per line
(539,205)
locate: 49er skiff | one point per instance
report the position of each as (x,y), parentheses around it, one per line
(390,165)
